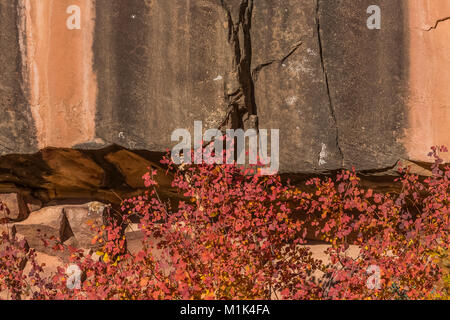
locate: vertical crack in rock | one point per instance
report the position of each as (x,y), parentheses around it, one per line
(241,103)
(327,84)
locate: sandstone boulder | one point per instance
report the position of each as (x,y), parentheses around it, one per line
(47,223)
(33,203)
(133,166)
(81,218)
(9,229)
(49,264)
(15,202)
(134,237)
(68,224)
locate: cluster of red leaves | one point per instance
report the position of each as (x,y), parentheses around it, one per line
(239,235)
(395,232)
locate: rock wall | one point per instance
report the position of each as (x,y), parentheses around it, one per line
(428,104)
(17,125)
(91,90)
(341,94)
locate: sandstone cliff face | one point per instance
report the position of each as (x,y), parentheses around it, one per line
(342,95)
(17,125)
(428,104)
(57,66)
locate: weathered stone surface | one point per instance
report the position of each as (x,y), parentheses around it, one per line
(429,62)
(60,80)
(367,74)
(156,62)
(47,223)
(133,167)
(32,203)
(291,88)
(318,250)
(67,224)
(134,237)
(9,229)
(50,264)
(81,219)
(342,95)
(18,209)
(334,88)
(64,163)
(17,126)
(110,174)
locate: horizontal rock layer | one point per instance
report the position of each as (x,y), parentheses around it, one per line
(63,176)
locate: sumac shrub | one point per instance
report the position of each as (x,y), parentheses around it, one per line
(240,235)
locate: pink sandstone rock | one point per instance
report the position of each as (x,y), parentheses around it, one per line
(15,202)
